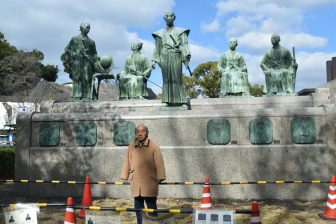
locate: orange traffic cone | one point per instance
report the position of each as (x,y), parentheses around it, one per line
(255,215)
(330,211)
(70,217)
(206,196)
(87,197)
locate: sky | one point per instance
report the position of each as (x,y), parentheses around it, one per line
(48,25)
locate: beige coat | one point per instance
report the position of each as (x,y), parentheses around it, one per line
(144,167)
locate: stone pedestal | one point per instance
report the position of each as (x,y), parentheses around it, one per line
(213,139)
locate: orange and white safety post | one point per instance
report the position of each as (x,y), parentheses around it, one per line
(255,215)
(206,196)
(330,211)
(70,217)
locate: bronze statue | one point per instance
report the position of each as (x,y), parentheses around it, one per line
(280,69)
(79,60)
(133,79)
(232,66)
(171,50)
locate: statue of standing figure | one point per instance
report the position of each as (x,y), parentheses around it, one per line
(133,79)
(79,59)
(233,69)
(171,51)
(280,69)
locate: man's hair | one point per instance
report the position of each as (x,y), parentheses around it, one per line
(141,125)
(136,45)
(169,12)
(83,25)
(276,36)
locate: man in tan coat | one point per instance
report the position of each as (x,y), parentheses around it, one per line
(144,167)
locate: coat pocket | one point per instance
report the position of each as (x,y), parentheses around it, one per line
(131,175)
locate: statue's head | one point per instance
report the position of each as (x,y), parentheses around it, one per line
(169,17)
(233,42)
(275,39)
(136,45)
(84,28)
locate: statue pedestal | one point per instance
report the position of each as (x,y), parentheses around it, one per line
(69,140)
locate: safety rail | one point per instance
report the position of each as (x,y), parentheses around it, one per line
(170,183)
(119,209)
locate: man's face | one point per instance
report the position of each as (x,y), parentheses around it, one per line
(233,44)
(86,29)
(141,133)
(169,18)
(275,40)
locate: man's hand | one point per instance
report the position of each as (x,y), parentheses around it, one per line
(123,180)
(159,181)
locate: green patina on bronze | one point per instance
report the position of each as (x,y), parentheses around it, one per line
(280,69)
(80,60)
(49,135)
(170,52)
(218,131)
(124,133)
(261,131)
(133,79)
(232,66)
(303,130)
(86,133)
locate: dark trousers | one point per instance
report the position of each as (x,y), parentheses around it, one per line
(139,204)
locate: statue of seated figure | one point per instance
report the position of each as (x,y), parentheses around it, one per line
(280,69)
(234,81)
(133,79)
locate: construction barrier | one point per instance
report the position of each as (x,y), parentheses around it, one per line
(119,209)
(261,182)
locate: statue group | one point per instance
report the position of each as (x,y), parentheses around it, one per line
(171,51)
(277,64)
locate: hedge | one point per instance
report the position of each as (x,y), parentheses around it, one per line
(7,162)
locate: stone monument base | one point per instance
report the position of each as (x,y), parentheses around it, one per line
(69,140)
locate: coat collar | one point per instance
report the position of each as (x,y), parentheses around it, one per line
(139,144)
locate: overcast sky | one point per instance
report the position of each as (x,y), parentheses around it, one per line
(48,25)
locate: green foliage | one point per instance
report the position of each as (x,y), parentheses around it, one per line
(205,76)
(7,162)
(38,54)
(5,48)
(190,86)
(49,72)
(256,90)
(20,71)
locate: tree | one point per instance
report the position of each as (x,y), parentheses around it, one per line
(49,73)
(256,90)
(191,86)
(5,48)
(205,76)
(19,73)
